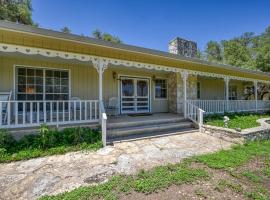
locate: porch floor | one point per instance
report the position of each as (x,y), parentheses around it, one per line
(139,118)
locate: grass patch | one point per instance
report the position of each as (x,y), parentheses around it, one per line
(237,120)
(223,184)
(237,156)
(48,142)
(144,182)
(252,176)
(258,194)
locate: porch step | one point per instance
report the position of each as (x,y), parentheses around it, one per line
(117,139)
(151,127)
(119,125)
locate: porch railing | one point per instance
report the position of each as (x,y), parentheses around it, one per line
(32,113)
(195,114)
(103,121)
(221,106)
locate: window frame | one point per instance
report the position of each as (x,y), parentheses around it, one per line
(161,98)
(44,69)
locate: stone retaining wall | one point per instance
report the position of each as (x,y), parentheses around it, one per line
(257,133)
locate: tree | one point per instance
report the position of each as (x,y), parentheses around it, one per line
(105,36)
(236,54)
(213,51)
(262,61)
(97,34)
(65,30)
(19,11)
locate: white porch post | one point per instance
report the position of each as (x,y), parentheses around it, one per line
(184,78)
(100,66)
(256,94)
(227,81)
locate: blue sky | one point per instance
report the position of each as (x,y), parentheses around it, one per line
(153,23)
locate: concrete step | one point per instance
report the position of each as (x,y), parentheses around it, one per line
(149,128)
(117,139)
(125,124)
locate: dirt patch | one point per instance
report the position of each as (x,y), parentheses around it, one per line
(222,184)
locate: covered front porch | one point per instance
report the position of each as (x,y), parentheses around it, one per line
(60,88)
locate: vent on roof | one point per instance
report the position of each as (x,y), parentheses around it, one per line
(183,47)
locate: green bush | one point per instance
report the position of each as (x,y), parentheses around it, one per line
(6,140)
(47,142)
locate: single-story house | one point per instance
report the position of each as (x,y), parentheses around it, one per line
(58,78)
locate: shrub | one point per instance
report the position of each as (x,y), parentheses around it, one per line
(6,140)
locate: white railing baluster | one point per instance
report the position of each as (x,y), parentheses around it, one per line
(80,111)
(91,110)
(69,111)
(31,112)
(37,112)
(85,110)
(44,112)
(51,111)
(74,110)
(63,109)
(57,112)
(16,113)
(24,113)
(95,110)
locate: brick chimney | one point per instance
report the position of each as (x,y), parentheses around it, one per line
(183,47)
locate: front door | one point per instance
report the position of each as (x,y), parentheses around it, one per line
(134,95)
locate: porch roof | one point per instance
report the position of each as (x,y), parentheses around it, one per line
(13,33)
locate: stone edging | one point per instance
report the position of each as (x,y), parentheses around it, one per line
(260,132)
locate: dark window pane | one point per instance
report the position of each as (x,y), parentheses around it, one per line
(22,88)
(49,97)
(49,73)
(21,80)
(30,72)
(56,81)
(64,74)
(39,72)
(49,81)
(57,74)
(64,82)
(64,97)
(39,80)
(64,89)
(49,89)
(30,80)
(22,71)
(57,89)
(21,97)
(39,97)
(31,97)
(56,97)
(39,88)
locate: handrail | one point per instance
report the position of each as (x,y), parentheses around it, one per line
(195,114)
(103,121)
(222,106)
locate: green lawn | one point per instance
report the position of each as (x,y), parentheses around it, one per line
(237,120)
(48,142)
(251,184)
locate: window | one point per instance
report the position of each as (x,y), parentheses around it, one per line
(42,84)
(198,90)
(161,89)
(232,92)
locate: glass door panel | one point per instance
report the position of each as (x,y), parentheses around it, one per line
(134,95)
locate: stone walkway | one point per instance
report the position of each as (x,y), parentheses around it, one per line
(55,174)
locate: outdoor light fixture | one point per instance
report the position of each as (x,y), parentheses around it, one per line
(154,77)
